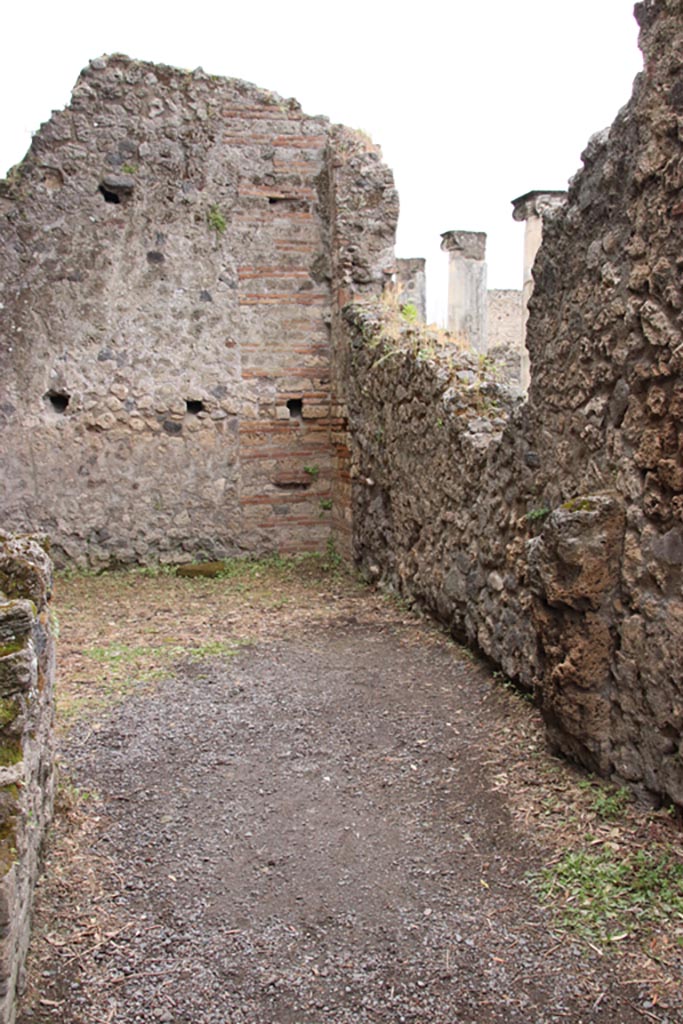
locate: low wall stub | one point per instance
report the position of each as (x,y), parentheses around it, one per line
(26,746)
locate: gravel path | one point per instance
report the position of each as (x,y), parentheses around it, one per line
(312,832)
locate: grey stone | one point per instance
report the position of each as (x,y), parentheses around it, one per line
(669,547)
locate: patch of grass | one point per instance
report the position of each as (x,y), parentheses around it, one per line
(124,629)
(609,894)
(255,568)
(117,668)
(608,804)
(76,572)
(214,649)
(148,660)
(69,797)
(153,570)
(332,561)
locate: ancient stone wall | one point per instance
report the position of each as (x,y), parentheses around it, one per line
(550,533)
(26,748)
(364,218)
(504,332)
(167,292)
(412,284)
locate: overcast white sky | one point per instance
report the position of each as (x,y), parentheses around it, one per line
(474,102)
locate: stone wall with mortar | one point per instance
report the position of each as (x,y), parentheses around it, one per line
(504,323)
(550,533)
(411,281)
(167,292)
(364,217)
(26,746)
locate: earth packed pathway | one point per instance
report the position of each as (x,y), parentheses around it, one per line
(335,824)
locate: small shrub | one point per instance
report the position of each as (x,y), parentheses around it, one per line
(216,220)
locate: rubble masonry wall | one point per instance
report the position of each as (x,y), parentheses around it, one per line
(550,533)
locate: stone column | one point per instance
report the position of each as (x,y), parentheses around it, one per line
(467,286)
(531,208)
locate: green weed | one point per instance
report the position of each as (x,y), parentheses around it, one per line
(332,560)
(125,667)
(216,220)
(69,796)
(608,804)
(536,514)
(609,894)
(153,570)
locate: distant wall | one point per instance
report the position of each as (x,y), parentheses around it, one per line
(550,534)
(505,326)
(412,281)
(26,747)
(167,294)
(490,321)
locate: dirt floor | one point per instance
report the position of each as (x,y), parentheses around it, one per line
(286,799)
